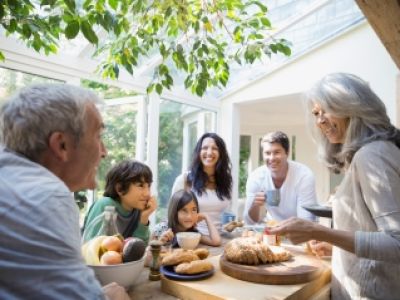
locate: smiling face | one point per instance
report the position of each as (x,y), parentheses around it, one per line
(209,154)
(188,216)
(332,127)
(275,157)
(137,196)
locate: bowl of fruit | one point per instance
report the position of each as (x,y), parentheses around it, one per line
(114,259)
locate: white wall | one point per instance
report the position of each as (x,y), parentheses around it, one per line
(358,51)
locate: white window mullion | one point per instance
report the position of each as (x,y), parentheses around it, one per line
(152,143)
(141,130)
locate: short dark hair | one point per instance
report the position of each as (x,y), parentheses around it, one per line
(277,137)
(125,173)
(178,200)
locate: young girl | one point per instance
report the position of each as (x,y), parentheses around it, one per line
(128,190)
(183,215)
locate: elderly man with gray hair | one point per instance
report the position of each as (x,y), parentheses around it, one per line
(50,146)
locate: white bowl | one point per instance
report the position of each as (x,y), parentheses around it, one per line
(188,240)
(124,274)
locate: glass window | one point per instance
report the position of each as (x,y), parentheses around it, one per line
(192,141)
(119,138)
(120,118)
(245,146)
(180,126)
(11,81)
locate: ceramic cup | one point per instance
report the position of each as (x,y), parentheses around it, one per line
(227,217)
(273,197)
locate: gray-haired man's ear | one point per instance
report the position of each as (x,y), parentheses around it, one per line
(57,145)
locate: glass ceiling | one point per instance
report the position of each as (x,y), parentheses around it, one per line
(307,24)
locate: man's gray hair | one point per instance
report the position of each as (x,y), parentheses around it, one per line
(29,118)
(348,96)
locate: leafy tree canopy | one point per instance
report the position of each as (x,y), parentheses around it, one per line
(198,37)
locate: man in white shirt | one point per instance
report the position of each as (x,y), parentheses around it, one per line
(280,188)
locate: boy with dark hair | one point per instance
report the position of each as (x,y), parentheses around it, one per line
(128,190)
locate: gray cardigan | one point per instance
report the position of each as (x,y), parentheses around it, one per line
(368,202)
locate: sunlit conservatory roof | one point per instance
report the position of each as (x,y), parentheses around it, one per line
(307,24)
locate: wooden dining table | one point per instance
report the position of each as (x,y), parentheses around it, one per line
(221,286)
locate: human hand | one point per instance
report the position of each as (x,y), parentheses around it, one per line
(259,199)
(167,236)
(295,229)
(320,248)
(201,217)
(150,208)
(113,291)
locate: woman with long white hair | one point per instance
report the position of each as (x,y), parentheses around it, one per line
(355,136)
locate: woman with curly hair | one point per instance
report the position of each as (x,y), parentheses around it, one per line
(209,177)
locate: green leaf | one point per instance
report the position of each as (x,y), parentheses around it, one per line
(109,20)
(188,82)
(26,31)
(87,3)
(265,22)
(196,45)
(37,43)
(200,90)
(13,26)
(254,23)
(263,8)
(163,69)
(48,2)
(72,29)
(286,50)
(1,11)
(129,68)
(53,48)
(116,70)
(113,4)
(88,32)
(2,58)
(150,88)
(159,88)
(70,4)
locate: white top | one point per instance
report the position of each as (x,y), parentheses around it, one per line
(209,203)
(297,190)
(367,202)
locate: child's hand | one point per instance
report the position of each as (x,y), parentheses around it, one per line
(201,217)
(150,207)
(167,236)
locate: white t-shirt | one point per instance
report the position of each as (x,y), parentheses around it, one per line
(297,190)
(209,204)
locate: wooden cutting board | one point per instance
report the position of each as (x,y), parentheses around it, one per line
(301,268)
(221,286)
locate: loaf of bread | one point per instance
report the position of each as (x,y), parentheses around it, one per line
(251,251)
(194,267)
(188,261)
(179,256)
